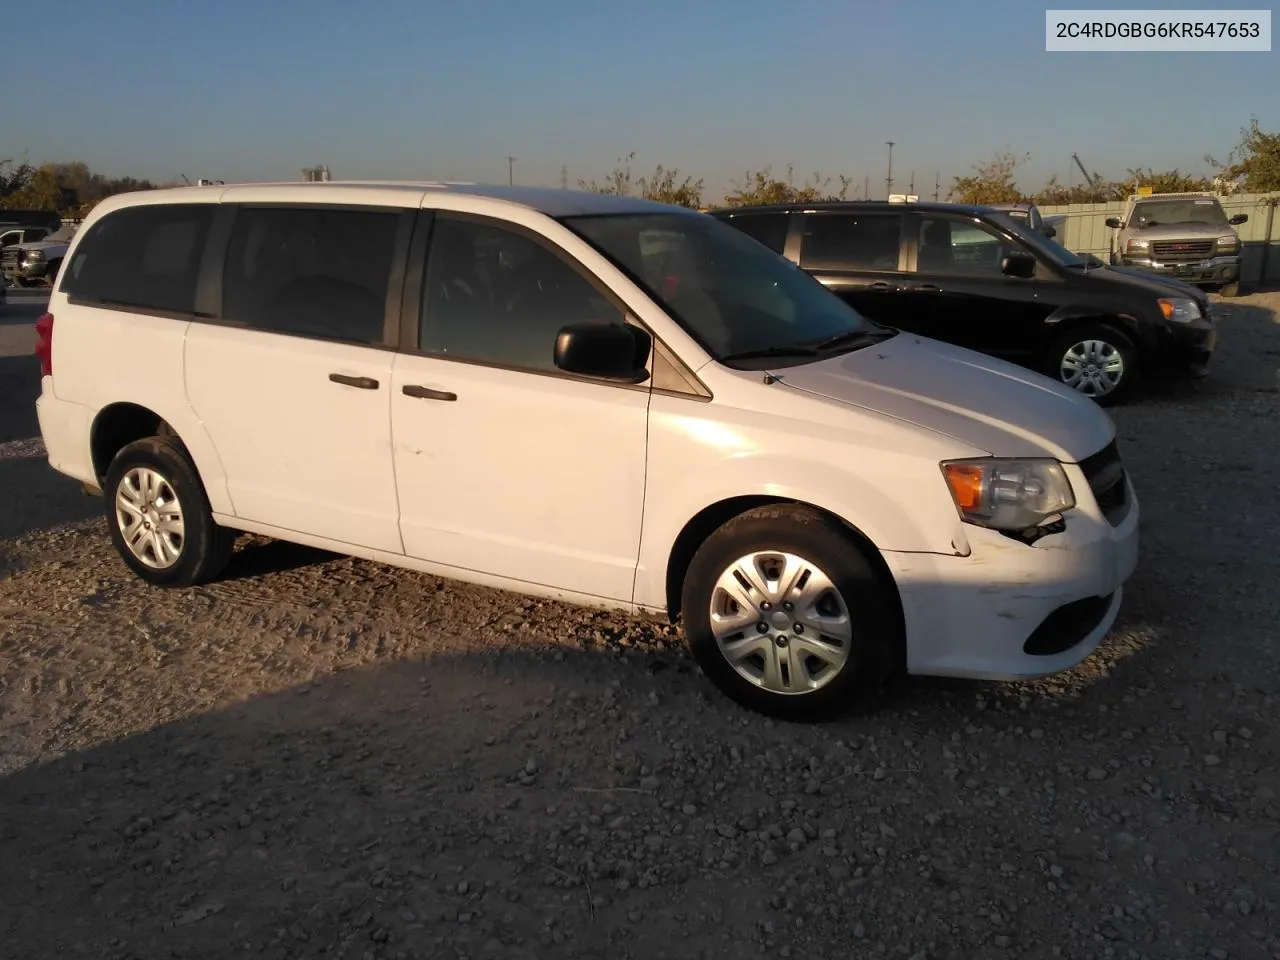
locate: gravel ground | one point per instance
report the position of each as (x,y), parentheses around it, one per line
(319,756)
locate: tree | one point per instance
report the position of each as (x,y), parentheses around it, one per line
(762,187)
(71,189)
(1167,181)
(13,179)
(991,182)
(665,186)
(1256,159)
(617,182)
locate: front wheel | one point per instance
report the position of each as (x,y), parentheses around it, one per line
(159,515)
(1094,360)
(787,616)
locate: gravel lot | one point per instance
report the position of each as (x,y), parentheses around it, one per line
(319,756)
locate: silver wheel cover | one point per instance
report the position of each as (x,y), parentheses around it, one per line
(149,517)
(780,622)
(1092,367)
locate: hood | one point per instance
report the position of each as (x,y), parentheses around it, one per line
(982,402)
(1182,231)
(1134,281)
(45,244)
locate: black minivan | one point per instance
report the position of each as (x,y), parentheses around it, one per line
(972,276)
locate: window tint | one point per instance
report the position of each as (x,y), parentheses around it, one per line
(313,272)
(146,256)
(850,241)
(952,245)
(500,297)
(768,228)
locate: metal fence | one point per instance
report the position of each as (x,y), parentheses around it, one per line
(1085,231)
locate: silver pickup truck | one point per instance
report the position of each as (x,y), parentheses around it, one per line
(1183,235)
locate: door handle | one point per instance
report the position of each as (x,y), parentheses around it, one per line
(925,288)
(426,393)
(363,383)
(879,285)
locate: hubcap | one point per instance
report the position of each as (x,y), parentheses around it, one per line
(1094,367)
(149,516)
(780,622)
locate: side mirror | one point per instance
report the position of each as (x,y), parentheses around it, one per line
(1238,219)
(1050,231)
(610,351)
(1113,223)
(1020,265)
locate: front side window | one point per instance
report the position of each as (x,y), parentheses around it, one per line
(498,296)
(314,272)
(951,245)
(146,256)
(851,241)
(732,294)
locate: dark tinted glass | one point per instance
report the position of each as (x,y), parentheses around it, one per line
(500,297)
(313,272)
(768,228)
(146,256)
(851,241)
(954,246)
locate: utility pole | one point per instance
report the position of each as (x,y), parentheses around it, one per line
(937,184)
(866,187)
(511,177)
(912,187)
(888,180)
(564,177)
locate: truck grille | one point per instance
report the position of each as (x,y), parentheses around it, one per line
(1181,249)
(1107,481)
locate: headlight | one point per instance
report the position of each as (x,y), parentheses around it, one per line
(1008,495)
(34,255)
(1179,310)
(1230,241)
(1135,245)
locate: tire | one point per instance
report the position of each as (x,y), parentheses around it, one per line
(858,656)
(1230,289)
(1107,350)
(194,555)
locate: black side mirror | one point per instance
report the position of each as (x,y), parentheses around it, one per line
(1238,219)
(1113,223)
(1049,231)
(610,351)
(1020,265)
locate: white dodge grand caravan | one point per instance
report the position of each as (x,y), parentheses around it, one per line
(613,402)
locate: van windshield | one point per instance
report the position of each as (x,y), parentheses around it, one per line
(736,297)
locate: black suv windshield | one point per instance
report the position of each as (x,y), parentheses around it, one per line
(1149,213)
(1037,241)
(739,299)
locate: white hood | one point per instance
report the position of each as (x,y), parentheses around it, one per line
(998,407)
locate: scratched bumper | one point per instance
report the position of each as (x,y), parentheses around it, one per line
(973,616)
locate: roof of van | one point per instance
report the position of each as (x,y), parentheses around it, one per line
(553,202)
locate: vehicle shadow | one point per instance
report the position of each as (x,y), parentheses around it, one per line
(260,556)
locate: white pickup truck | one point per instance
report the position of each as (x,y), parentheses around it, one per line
(37,262)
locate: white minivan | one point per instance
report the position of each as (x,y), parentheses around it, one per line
(595,398)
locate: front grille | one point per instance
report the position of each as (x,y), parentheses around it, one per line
(1181,249)
(1107,482)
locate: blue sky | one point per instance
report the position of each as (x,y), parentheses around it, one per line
(244,90)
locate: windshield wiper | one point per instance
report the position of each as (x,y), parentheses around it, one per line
(795,350)
(853,338)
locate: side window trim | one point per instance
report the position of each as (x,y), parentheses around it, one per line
(209,284)
(411,312)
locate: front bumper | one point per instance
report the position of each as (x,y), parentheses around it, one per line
(1210,270)
(1009,611)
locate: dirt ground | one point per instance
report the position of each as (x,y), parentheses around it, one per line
(322,757)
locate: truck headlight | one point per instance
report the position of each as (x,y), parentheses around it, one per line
(1010,495)
(1137,246)
(34,256)
(1230,241)
(1178,309)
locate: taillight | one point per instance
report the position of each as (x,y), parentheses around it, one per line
(44,344)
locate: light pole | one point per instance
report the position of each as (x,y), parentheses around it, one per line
(888,180)
(511,177)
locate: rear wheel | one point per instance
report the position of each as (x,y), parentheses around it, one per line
(1094,360)
(159,515)
(787,616)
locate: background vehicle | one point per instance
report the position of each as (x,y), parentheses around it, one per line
(1183,235)
(1028,214)
(38,261)
(696,427)
(971,276)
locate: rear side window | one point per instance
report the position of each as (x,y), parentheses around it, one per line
(146,257)
(315,272)
(768,228)
(851,241)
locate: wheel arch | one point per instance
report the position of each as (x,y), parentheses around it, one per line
(709,519)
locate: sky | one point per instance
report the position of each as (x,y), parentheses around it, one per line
(258,89)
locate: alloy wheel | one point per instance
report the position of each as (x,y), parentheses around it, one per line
(149,516)
(1092,367)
